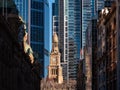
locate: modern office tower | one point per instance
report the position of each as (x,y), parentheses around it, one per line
(40,31)
(58,27)
(73,36)
(63,36)
(86,17)
(69,33)
(55,16)
(87,13)
(78,27)
(36,15)
(90,9)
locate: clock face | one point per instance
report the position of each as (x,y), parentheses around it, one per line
(54,59)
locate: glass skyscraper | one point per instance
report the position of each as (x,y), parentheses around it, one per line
(90,9)
(36,13)
(69,33)
(40,31)
(55,17)
(74,35)
(86,17)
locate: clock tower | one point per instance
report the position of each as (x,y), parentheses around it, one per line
(55,69)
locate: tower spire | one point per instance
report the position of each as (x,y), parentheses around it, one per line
(55,69)
(55,43)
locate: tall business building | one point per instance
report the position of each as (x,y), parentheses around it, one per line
(69,33)
(88,11)
(58,27)
(36,15)
(63,36)
(40,31)
(74,35)
(55,16)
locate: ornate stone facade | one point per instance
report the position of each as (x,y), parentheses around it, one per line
(107,59)
(55,69)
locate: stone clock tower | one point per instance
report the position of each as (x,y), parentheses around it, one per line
(55,69)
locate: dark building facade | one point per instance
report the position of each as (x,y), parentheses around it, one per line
(16,71)
(94,52)
(91,55)
(81,76)
(107,50)
(101,53)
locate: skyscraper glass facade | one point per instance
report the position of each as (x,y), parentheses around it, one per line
(40,32)
(77,23)
(69,32)
(89,11)
(47,34)
(37,27)
(60,26)
(74,35)
(55,16)
(35,13)
(86,17)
